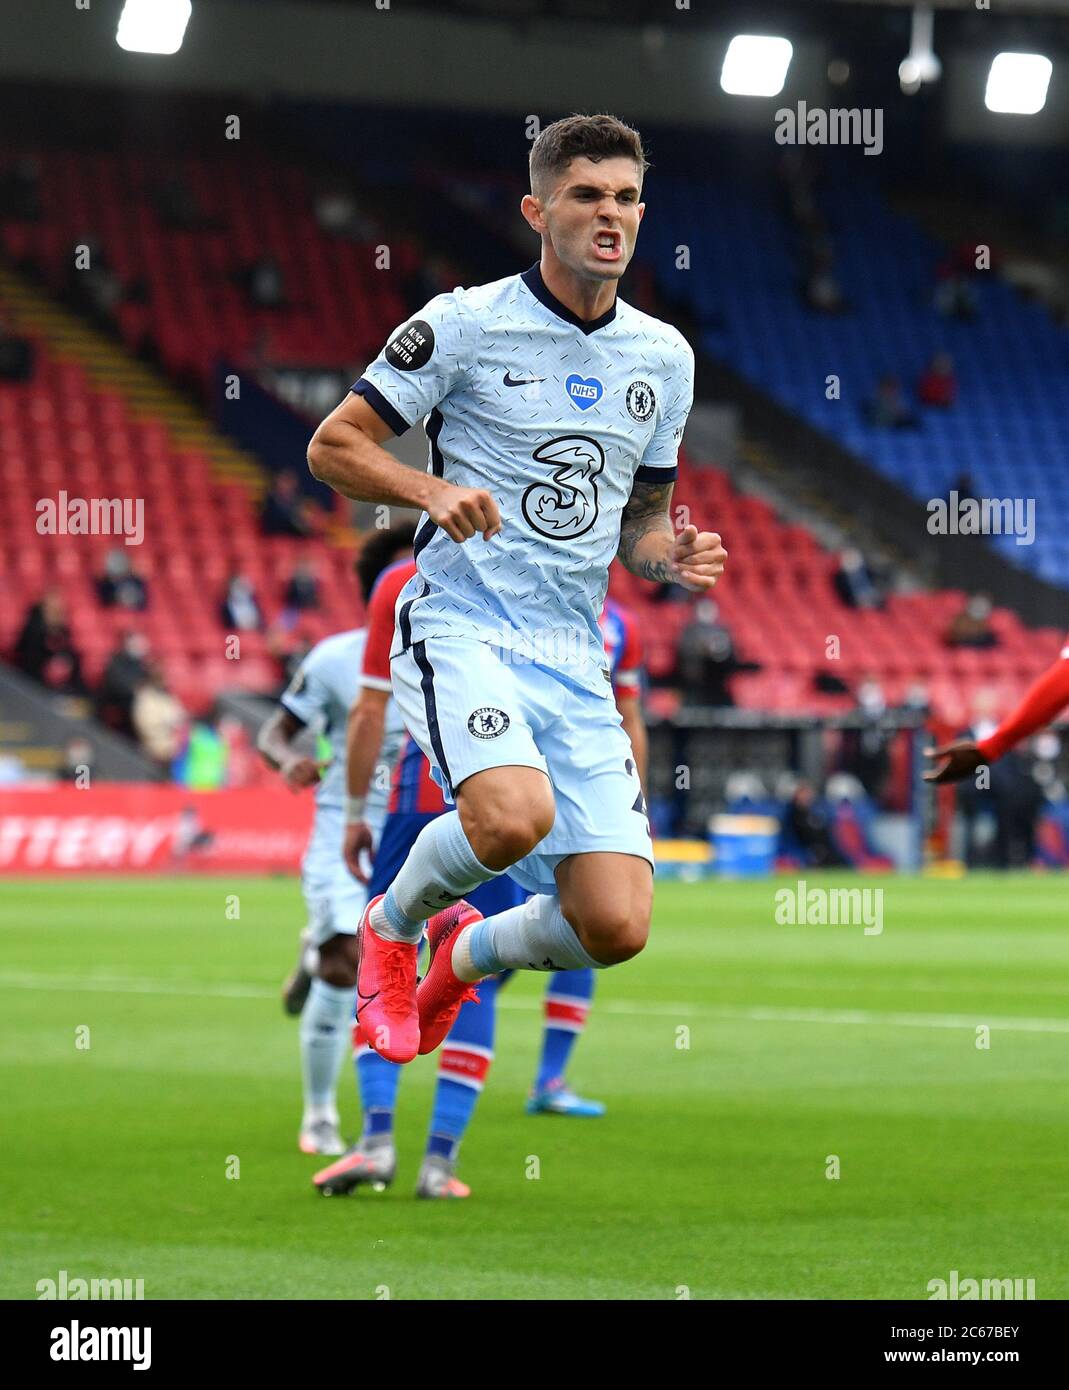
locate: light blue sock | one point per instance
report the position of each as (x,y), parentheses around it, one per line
(440,869)
(534,936)
(325,1021)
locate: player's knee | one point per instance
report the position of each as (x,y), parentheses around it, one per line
(516,835)
(500,834)
(338,960)
(613,934)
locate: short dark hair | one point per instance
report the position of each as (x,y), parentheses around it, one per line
(380,550)
(577,137)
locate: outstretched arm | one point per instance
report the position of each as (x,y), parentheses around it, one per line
(650,548)
(1042,702)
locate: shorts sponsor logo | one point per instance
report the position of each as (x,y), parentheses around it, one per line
(488,722)
(410,347)
(584,391)
(641,402)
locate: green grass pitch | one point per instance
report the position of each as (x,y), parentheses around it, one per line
(707,1175)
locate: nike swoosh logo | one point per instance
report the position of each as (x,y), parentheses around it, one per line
(511,380)
(365,999)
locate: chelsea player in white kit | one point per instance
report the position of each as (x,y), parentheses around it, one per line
(554,413)
(319,697)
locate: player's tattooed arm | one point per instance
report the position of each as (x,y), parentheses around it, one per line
(650,548)
(646,535)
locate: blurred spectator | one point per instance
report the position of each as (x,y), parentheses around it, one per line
(971,627)
(963,485)
(1012,798)
(954,295)
(158,719)
(79,758)
(239,610)
(867,751)
(44,648)
(705,658)
(822,290)
(289,653)
(432,275)
(202,761)
(127,668)
(807,823)
(302,590)
(282,513)
(890,408)
(938,385)
(179,208)
(17,355)
(338,214)
(120,586)
(917,699)
(854,581)
(93,287)
(671,593)
(20,190)
(264,283)
(243,767)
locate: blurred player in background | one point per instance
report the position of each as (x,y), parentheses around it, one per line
(416,800)
(555,414)
(319,697)
(1041,704)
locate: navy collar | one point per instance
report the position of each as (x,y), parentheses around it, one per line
(533,280)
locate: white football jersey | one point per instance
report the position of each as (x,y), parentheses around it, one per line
(556,418)
(319,695)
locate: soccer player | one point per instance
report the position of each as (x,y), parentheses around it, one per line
(1042,702)
(468,1051)
(320,694)
(555,412)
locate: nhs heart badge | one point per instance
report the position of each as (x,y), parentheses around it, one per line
(584,391)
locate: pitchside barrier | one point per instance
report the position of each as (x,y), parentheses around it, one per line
(133,827)
(708,763)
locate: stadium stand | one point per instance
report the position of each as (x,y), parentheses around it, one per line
(186,299)
(1007,430)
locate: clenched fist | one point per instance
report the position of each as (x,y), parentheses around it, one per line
(462,511)
(697,559)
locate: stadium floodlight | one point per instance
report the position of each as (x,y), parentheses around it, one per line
(153,26)
(1017,83)
(755,65)
(920,65)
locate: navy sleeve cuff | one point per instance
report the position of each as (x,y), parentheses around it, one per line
(645,474)
(293,713)
(380,405)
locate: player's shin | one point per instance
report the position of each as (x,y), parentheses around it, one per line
(376,1083)
(440,869)
(324,1039)
(566,1008)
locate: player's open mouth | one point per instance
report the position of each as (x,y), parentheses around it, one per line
(608,246)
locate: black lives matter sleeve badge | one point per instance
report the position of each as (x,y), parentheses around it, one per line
(411,346)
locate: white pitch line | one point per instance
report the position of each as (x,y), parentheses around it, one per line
(865,1018)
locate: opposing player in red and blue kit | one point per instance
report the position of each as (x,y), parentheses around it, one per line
(415,800)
